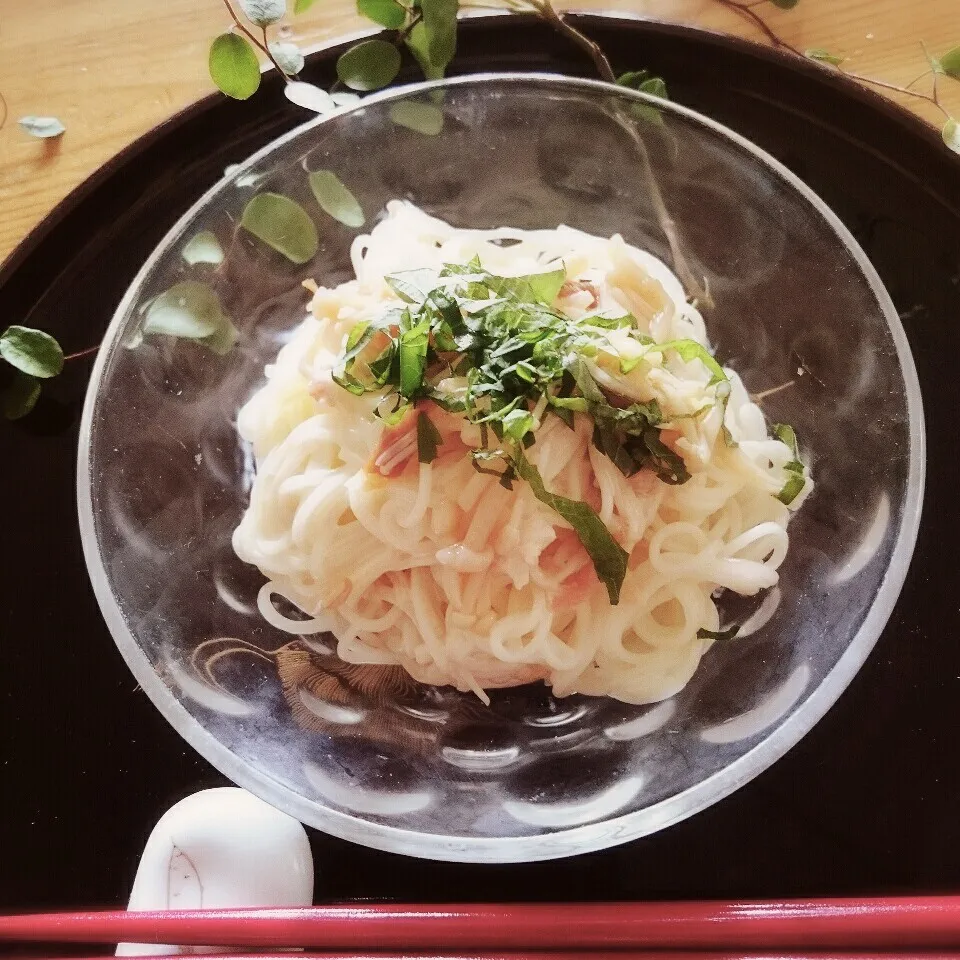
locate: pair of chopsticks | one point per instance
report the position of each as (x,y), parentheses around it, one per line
(558,931)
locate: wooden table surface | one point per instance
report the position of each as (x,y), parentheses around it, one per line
(112,70)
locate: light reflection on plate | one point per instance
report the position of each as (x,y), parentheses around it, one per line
(869,546)
(771,709)
(570,814)
(364,800)
(651,721)
(331,712)
(204,694)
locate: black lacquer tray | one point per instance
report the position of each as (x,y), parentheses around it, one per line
(866,803)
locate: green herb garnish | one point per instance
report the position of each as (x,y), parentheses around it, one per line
(428,439)
(609,558)
(495,350)
(728,634)
(794,468)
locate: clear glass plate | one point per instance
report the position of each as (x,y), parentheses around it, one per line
(163,480)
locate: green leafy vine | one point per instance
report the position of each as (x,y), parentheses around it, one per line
(427,30)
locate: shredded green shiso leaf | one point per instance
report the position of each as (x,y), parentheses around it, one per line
(515,359)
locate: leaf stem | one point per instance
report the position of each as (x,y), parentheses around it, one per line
(82,353)
(548,12)
(407,28)
(917,80)
(273,59)
(883,84)
(746,12)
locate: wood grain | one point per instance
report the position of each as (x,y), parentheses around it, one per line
(111,70)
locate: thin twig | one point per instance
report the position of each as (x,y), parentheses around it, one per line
(747,13)
(916,80)
(546,10)
(407,28)
(883,84)
(82,353)
(692,285)
(933,69)
(557,20)
(763,394)
(273,59)
(3,102)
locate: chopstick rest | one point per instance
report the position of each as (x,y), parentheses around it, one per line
(222,847)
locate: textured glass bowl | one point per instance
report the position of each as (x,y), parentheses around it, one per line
(163,480)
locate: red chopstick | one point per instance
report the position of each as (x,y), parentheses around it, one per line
(554,955)
(566,955)
(853,924)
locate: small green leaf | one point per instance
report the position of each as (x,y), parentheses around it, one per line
(534,287)
(823,56)
(288,57)
(424,118)
(283,224)
(633,78)
(517,424)
(203,247)
(433,41)
(302,6)
(335,199)
(576,404)
(791,489)
(795,478)
(786,434)
(669,466)
(387,13)
(33,352)
(393,417)
(44,128)
(951,134)
(655,87)
(221,341)
(369,65)
(723,400)
(413,358)
(20,396)
(785,4)
(950,63)
(692,350)
(428,439)
(263,13)
(728,634)
(413,286)
(234,67)
(189,309)
(609,558)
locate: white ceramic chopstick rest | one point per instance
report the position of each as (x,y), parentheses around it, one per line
(221,848)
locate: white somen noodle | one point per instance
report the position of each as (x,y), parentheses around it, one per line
(439,568)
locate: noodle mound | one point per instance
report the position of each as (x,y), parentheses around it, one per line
(445,571)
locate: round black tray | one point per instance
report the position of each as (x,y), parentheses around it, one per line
(867,801)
